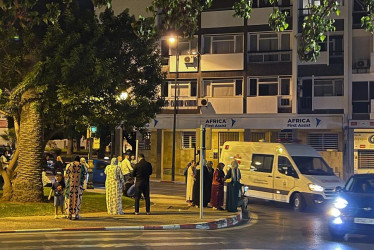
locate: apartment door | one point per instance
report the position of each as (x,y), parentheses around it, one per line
(306,96)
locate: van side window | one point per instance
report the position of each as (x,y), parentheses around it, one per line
(262,163)
(284,165)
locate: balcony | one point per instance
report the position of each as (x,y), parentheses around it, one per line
(222,105)
(269,104)
(322,59)
(187,63)
(222,62)
(269,56)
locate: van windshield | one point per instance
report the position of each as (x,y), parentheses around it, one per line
(312,165)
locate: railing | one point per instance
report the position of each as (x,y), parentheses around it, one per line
(269,56)
(184,103)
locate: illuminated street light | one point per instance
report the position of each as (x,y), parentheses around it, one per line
(174,40)
(124,95)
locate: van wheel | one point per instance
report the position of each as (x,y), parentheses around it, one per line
(299,203)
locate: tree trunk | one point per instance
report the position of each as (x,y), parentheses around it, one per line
(7,188)
(78,139)
(28,186)
(70,150)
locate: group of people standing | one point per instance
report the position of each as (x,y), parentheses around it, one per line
(73,186)
(120,171)
(213,185)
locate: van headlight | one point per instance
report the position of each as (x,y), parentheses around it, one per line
(340,203)
(314,187)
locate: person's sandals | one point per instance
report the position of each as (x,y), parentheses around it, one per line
(149,213)
(56,217)
(136,213)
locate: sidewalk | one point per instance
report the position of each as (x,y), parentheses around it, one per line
(168,212)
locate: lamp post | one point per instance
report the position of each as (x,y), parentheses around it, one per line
(171,41)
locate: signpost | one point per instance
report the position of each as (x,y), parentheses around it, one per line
(202,165)
(90,137)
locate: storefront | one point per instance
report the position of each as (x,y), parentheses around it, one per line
(322,132)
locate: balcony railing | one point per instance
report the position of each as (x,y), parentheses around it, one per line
(182,103)
(269,56)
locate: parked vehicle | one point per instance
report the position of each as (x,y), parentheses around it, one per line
(353,209)
(291,173)
(99,176)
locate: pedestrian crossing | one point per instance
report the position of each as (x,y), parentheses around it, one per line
(97,240)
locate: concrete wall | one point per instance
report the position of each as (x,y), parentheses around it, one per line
(222,62)
(214,19)
(151,155)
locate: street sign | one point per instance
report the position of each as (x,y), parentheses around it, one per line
(96,143)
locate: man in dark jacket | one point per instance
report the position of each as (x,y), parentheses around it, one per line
(142,171)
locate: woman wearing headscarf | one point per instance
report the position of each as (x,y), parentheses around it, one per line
(207,184)
(113,187)
(233,187)
(86,167)
(216,200)
(75,176)
(190,182)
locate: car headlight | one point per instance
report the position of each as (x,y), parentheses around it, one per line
(335,212)
(340,203)
(314,187)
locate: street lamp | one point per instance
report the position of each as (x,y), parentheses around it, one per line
(174,40)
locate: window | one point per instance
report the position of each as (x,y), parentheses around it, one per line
(269,47)
(184,89)
(145,142)
(365,159)
(328,87)
(284,165)
(222,88)
(188,139)
(185,46)
(312,165)
(362,93)
(268,86)
(227,136)
(262,163)
(223,44)
(323,142)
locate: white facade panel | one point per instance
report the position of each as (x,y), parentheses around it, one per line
(191,66)
(215,19)
(225,105)
(222,62)
(260,16)
(328,102)
(262,105)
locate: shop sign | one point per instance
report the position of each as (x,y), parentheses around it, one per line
(219,123)
(364,140)
(303,123)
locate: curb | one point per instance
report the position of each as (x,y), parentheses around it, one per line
(217,224)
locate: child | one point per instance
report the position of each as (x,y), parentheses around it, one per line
(58,187)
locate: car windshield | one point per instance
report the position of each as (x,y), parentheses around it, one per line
(312,165)
(361,185)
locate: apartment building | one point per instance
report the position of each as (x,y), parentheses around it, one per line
(244,82)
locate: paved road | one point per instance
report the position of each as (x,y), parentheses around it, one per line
(275,226)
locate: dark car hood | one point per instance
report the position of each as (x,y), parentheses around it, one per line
(358,200)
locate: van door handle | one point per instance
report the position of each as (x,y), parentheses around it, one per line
(277,177)
(270,176)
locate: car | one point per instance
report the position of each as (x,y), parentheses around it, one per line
(98,175)
(352,212)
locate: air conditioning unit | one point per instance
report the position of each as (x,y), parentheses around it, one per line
(284,102)
(190,59)
(202,102)
(362,64)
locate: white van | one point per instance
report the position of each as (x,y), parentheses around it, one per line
(291,173)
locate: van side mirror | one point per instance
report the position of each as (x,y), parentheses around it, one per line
(338,189)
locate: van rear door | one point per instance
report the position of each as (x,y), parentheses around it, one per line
(261,184)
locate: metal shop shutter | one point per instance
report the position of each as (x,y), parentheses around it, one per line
(323,142)
(365,159)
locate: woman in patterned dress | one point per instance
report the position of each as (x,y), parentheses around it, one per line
(113,187)
(75,176)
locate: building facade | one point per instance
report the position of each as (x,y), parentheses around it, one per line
(245,82)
